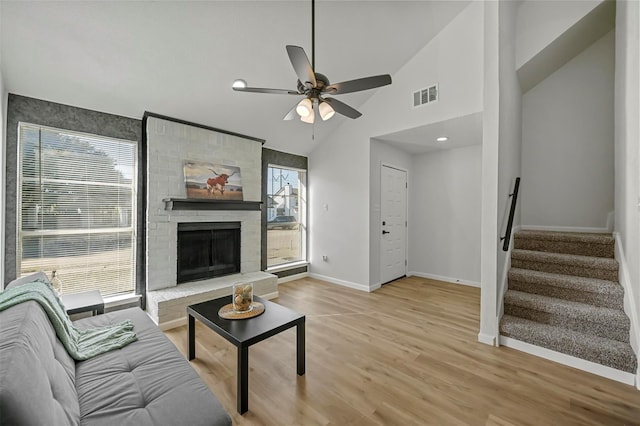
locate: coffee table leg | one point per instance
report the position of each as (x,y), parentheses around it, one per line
(300,349)
(243,379)
(192,337)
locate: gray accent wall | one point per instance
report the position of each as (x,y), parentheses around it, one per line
(45,113)
(270,156)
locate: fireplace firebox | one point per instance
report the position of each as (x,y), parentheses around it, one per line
(208,250)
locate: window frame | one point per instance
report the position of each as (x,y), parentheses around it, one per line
(302,218)
(134,226)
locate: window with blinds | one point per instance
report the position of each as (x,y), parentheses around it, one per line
(77,209)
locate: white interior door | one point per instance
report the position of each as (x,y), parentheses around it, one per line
(393,236)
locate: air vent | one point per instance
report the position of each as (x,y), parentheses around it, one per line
(425,96)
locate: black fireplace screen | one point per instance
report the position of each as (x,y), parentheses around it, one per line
(208,250)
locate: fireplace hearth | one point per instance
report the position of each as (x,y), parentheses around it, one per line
(207,250)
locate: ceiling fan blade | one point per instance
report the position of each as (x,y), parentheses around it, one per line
(358,84)
(342,108)
(263,90)
(302,66)
(291,114)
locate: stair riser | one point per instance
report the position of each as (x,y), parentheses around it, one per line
(566,247)
(619,331)
(620,361)
(615,301)
(580,271)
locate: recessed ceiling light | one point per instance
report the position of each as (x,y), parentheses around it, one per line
(442,139)
(239,83)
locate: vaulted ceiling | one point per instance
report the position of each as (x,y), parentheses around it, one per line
(179,58)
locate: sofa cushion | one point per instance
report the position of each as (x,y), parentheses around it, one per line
(36,373)
(38,276)
(148,382)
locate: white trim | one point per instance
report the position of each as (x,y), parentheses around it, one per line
(504,281)
(565,229)
(630,307)
(611,220)
(121,300)
(571,361)
(375,287)
(443,278)
(486,339)
(356,286)
(292,277)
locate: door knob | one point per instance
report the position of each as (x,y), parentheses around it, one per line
(385,232)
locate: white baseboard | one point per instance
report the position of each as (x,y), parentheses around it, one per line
(487,339)
(292,277)
(443,278)
(571,361)
(630,307)
(565,229)
(356,286)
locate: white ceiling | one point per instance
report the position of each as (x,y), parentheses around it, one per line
(179,58)
(461,131)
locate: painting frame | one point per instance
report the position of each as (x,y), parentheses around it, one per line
(212,181)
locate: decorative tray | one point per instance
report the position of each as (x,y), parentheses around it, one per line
(227,311)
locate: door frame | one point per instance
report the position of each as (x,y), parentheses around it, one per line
(406,229)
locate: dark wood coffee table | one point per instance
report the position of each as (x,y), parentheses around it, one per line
(246,332)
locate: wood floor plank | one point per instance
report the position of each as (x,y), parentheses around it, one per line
(404,354)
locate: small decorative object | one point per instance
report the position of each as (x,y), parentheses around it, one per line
(242,297)
(212,181)
(56,283)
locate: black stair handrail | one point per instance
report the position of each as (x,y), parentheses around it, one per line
(512,211)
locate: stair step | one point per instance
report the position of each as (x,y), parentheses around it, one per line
(566,264)
(588,319)
(592,291)
(611,353)
(584,244)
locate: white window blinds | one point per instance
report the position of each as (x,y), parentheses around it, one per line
(77,209)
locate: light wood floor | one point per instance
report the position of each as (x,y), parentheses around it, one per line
(406,354)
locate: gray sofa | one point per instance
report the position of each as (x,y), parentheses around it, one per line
(148,382)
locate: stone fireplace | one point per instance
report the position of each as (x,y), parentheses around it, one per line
(169,144)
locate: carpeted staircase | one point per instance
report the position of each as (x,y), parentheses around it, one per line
(564,295)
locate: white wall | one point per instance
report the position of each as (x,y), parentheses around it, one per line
(541,22)
(568,146)
(444,217)
(510,132)
(490,151)
(339,168)
(381,153)
(627,141)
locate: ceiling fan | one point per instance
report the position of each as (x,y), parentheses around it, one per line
(315,86)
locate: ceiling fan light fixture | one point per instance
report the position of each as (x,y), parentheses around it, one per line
(309,118)
(304,108)
(326,111)
(239,84)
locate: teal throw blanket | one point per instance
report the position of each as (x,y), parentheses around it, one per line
(80,344)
